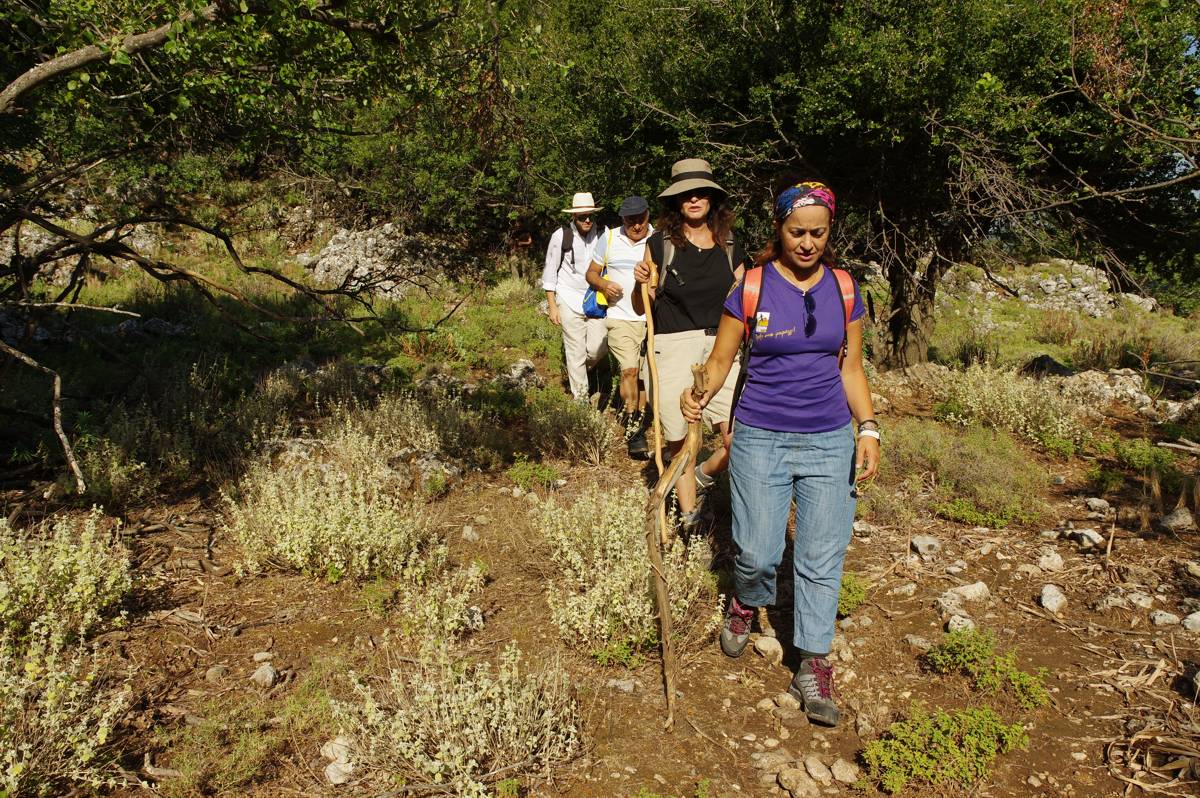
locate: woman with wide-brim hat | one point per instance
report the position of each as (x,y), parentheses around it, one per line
(696,260)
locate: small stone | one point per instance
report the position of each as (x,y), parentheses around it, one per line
(560,483)
(1048,534)
(976,591)
(1088,539)
(1050,560)
(845,772)
(1025,569)
(1164,618)
(469,534)
(624,685)
(958,623)
(1193,569)
(770,742)
(1192,622)
(263,656)
(957,567)
(864,530)
(532,498)
(770,649)
(787,700)
(1113,601)
(819,771)
(792,718)
(265,676)
(925,545)
(798,783)
(1141,600)
(1033,781)
(1079,756)
(864,727)
(771,761)
(1180,520)
(907,589)
(337,750)
(949,603)
(338,772)
(846,624)
(918,643)
(1052,598)
(517,492)
(482,520)
(865,621)
(1058,479)
(749,737)
(215,674)
(1097,505)
(765,705)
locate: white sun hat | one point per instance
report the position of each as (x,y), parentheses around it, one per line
(582,202)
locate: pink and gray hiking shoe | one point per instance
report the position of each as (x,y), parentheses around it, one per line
(735,633)
(813,688)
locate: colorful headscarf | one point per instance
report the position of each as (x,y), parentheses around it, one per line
(802,194)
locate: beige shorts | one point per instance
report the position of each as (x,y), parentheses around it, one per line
(674,354)
(625,341)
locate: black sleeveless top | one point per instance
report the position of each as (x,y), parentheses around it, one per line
(691,293)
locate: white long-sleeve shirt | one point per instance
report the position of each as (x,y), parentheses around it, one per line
(569,282)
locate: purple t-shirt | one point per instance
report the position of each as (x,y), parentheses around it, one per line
(793,383)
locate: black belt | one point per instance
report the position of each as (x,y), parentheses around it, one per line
(710,330)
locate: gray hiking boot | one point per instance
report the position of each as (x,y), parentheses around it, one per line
(703,481)
(735,633)
(813,688)
(701,519)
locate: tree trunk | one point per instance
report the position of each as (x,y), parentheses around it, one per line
(909,326)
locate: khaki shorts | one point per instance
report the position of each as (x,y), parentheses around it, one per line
(674,354)
(625,341)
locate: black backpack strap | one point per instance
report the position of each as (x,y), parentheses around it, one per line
(568,242)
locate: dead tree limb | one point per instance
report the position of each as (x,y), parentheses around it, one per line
(658,538)
(56,404)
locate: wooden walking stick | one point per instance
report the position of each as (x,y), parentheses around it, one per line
(658,461)
(657,539)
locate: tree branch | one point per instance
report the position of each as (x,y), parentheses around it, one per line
(56,403)
(69,62)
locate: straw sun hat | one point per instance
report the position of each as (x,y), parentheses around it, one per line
(690,174)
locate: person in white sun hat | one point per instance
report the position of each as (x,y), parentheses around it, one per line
(564,279)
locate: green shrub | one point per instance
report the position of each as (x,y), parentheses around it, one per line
(600,595)
(58,582)
(1002,399)
(974,475)
(1143,456)
(560,426)
(57,715)
(63,575)
(973,653)
(942,749)
(852,594)
(529,475)
(456,723)
(1104,481)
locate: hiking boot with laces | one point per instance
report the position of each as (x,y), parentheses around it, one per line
(813,688)
(635,438)
(735,632)
(703,481)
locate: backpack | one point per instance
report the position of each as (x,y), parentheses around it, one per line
(752,290)
(568,238)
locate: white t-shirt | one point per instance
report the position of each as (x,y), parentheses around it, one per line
(622,255)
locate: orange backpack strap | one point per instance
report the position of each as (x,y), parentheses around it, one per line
(751,291)
(846,287)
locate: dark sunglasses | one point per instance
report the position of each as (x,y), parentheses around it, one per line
(810,309)
(583,217)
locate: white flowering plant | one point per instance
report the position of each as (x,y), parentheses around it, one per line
(600,594)
(461,725)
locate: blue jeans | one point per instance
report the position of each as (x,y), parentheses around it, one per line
(767,470)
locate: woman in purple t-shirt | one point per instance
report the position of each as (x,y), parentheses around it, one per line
(794,436)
